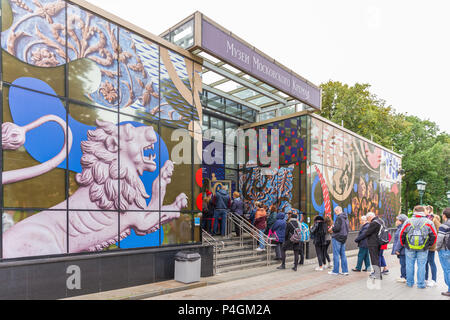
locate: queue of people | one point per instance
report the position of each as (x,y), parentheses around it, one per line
(416,240)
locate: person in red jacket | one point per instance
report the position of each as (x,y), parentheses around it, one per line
(382,260)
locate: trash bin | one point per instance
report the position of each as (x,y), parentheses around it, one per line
(187,267)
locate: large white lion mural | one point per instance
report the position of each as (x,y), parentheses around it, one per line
(95,225)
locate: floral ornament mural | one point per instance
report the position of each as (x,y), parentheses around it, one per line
(267,189)
(366,200)
(129,67)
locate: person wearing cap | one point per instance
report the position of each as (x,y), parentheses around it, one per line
(417,251)
(398,249)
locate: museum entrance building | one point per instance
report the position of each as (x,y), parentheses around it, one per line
(90,108)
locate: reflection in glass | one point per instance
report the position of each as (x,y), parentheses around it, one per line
(179,231)
(179,177)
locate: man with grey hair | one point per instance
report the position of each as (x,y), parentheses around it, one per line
(340,233)
(363,253)
(371,235)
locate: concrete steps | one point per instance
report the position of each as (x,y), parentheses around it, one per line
(234,257)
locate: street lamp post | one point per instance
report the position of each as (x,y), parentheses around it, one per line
(421,185)
(448,198)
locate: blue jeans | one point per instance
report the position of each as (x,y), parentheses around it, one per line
(432,264)
(402,259)
(444,258)
(261,239)
(220,214)
(382,260)
(411,257)
(339,252)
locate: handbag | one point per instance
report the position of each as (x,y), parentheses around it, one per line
(273,237)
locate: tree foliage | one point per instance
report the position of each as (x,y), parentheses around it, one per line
(425,149)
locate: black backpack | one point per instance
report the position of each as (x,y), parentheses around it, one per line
(383,234)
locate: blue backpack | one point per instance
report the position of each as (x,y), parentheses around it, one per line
(305,232)
(301,234)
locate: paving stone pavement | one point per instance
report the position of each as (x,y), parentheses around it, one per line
(308,284)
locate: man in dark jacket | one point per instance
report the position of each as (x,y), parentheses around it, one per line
(363,253)
(371,235)
(340,234)
(222,203)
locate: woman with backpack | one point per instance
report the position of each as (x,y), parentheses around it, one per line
(318,234)
(291,226)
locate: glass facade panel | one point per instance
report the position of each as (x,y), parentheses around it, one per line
(183,36)
(234,109)
(139,76)
(93,61)
(99,109)
(177,189)
(19,227)
(35,161)
(34,45)
(180,231)
(96,139)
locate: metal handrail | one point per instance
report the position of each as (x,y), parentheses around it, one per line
(216,244)
(246,227)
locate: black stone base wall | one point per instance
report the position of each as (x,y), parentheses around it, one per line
(47,278)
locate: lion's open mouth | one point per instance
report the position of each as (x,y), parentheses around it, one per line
(147,156)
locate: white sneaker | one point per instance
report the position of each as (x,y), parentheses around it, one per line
(401,280)
(344,273)
(259,249)
(319,269)
(332,273)
(330,266)
(431,284)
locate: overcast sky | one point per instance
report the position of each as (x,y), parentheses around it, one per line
(401,48)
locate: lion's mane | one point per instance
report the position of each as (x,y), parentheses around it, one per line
(101,171)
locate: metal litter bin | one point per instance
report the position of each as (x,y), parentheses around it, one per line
(187,267)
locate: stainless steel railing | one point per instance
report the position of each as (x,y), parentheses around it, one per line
(216,244)
(247,228)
